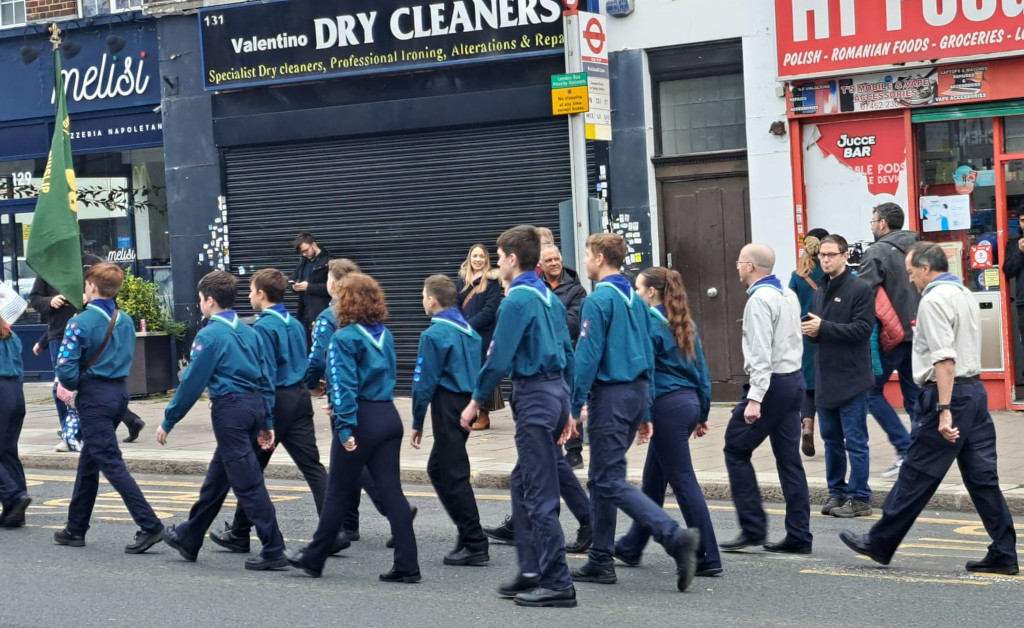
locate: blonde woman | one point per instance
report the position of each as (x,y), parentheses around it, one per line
(479,294)
(804,282)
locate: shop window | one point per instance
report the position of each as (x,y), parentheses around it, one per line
(1014,134)
(97,7)
(702,115)
(12,12)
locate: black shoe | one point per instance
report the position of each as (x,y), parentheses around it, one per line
(740,542)
(352,535)
(341,543)
(399,576)
(63,537)
(259,563)
(518,585)
(684,550)
(708,572)
(297,559)
(564,598)
(590,572)
(174,542)
(860,544)
(629,561)
(465,556)
(832,504)
(14,515)
(584,537)
(503,533)
(133,431)
(144,541)
(574,458)
(390,544)
(230,541)
(987,565)
(787,546)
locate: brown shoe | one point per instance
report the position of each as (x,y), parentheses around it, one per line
(807,437)
(483,421)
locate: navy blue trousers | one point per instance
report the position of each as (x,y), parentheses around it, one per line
(929,458)
(12,418)
(675,416)
(540,408)
(378,435)
(616,411)
(236,418)
(780,424)
(101,404)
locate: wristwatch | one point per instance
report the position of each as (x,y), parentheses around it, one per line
(942,406)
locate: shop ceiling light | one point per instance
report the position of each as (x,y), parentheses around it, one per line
(115,44)
(70,49)
(29,54)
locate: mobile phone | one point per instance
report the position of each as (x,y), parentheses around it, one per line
(805,318)
(291,281)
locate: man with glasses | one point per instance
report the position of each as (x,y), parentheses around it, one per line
(772,352)
(840,322)
(309,280)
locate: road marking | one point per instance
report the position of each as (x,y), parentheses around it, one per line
(895,578)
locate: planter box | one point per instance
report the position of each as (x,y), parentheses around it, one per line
(152,367)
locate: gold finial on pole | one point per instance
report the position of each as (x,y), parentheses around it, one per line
(54,35)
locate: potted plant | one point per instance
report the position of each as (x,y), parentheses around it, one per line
(153,369)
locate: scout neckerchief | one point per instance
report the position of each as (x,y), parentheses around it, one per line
(278,310)
(621,285)
(945,279)
(228,317)
(771,281)
(530,282)
(452,316)
(374,333)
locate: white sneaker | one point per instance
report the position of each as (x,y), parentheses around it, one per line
(894,469)
(62,446)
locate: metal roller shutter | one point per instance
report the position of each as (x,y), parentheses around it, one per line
(403,206)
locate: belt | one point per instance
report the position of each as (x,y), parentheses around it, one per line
(540,377)
(971,379)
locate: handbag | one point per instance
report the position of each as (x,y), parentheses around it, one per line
(12,305)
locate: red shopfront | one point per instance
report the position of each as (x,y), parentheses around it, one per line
(924,109)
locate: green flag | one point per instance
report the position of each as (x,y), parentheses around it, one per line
(54,247)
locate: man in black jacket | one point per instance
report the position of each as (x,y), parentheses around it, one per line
(841,322)
(309,280)
(1013,268)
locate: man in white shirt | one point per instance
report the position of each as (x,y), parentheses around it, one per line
(772,352)
(954,421)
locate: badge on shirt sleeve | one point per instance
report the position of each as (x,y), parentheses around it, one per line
(585,328)
(490,349)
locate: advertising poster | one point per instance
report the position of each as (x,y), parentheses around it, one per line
(945,213)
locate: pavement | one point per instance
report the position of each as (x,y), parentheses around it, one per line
(492,453)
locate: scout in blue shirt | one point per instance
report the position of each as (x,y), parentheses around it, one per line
(615,378)
(13,490)
(367,428)
(94,358)
(446,368)
(226,357)
(682,401)
(531,342)
(324,326)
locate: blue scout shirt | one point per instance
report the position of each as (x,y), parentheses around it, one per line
(10,358)
(614,344)
(530,337)
(82,338)
(671,370)
(226,358)
(449,357)
(323,329)
(360,365)
(284,345)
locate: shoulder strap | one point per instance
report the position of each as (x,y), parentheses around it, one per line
(811,283)
(103,345)
(469,297)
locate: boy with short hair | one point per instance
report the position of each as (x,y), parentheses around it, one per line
(447,362)
(94,358)
(615,379)
(226,357)
(531,343)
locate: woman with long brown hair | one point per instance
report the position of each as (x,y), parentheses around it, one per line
(682,389)
(13,491)
(367,430)
(804,282)
(479,295)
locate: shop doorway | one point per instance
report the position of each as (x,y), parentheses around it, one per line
(705,221)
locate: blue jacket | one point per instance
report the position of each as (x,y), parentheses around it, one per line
(531,337)
(614,344)
(283,339)
(671,370)
(360,365)
(226,357)
(449,357)
(805,294)
(323,329)
(82,338)
(10,358)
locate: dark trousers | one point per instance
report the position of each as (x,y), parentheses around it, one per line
(352,516)
(12,418)
(62,409)
(780,424)
(569,487)
(540,408)
(293,428)
(237,418)
(100,405)
(927,462)
(616,411)
(378,435)
(899,359)
(448,467)
(675,416)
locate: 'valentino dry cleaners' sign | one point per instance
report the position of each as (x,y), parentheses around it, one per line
(302,40)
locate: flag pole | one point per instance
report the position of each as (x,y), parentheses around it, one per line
(54,35)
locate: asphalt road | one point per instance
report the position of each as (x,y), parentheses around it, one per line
(45,585)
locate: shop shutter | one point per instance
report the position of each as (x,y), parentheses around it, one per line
(402,206)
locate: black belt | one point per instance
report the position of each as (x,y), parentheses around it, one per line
(973,379)
(540,377)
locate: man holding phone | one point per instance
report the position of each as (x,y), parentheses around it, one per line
(309,280)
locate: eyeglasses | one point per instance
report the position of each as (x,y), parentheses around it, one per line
(874,222)
(829,255)
(305,250)
(738,262)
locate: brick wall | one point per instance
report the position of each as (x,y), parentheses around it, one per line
(36,10)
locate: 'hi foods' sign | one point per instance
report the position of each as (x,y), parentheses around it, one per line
(817,37)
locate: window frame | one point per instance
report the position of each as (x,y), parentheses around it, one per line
(109,11)
(24,10)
